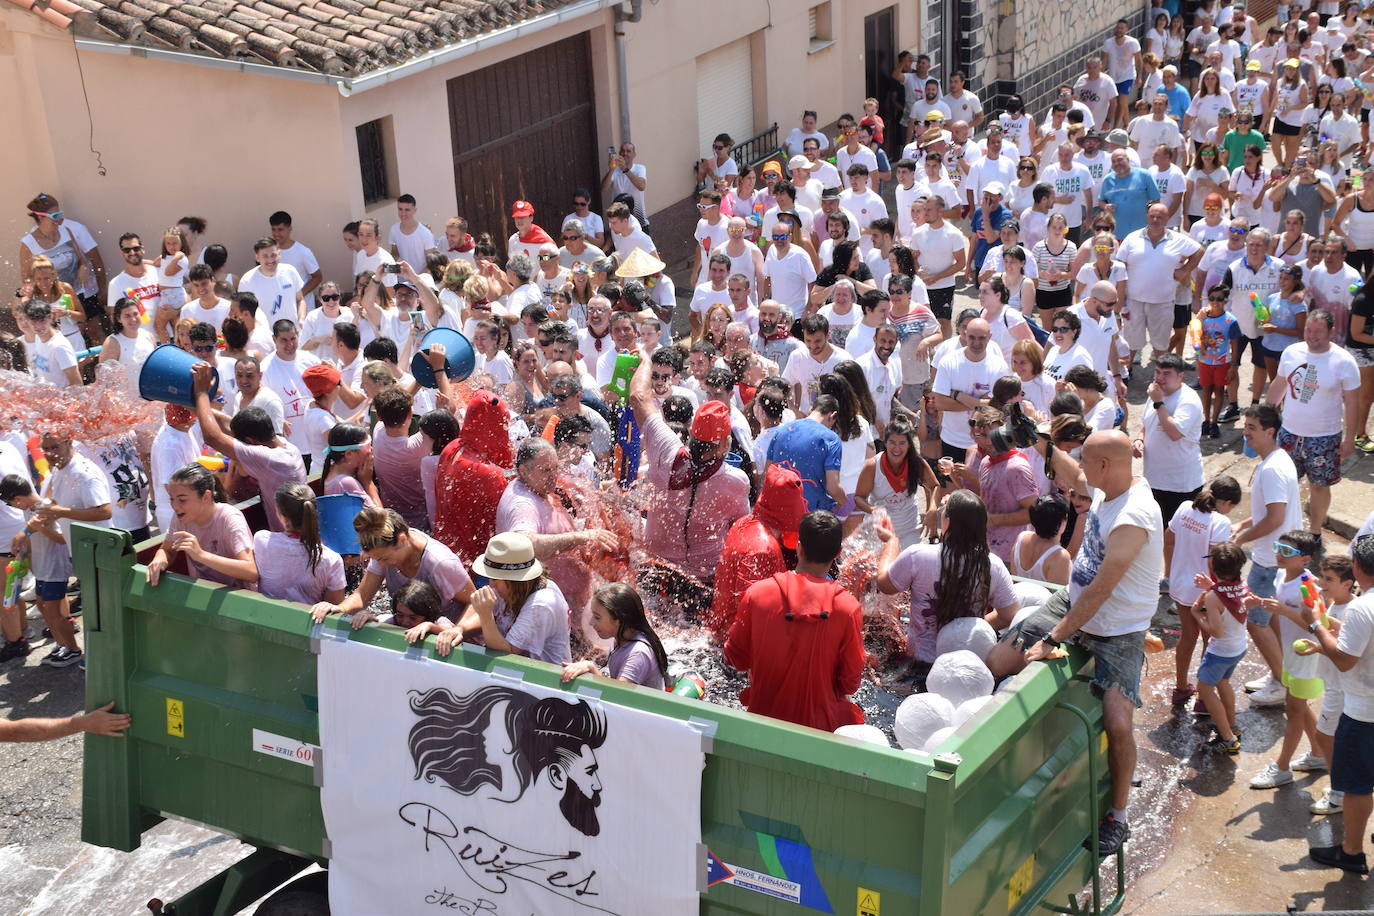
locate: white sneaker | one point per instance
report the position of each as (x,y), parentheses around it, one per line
(1259,683)
(1272,694)
(1329,803)
(1271,777)
(1309,762)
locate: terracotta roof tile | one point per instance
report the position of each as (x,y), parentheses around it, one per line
(347,37)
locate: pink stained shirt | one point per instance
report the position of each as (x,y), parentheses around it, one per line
(396,460)
(284,568)
(226,534)
(1004,484)
(523,510)
(721,499)
(439,567)
(271,467)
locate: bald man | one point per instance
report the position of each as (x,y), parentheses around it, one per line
(1157,259)
(964,383)
(1112,594)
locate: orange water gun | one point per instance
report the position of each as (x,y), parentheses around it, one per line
(1307,587)
(40,463)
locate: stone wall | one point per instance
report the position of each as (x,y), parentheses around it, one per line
(1047,43)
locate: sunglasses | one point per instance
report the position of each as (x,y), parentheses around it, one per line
(548,257)
(1025,168)
(1106,302)
(1061,329)
(1216,298)
(1234,231)
(203,348)
(332,297)
(131,249)
(739,231)
(1102,248)
(780,238)
(563,395)
(717,146)
(571,238)
(705,206)
(581,203)
(52,215)
(661,376)
(1286,550)
(1212,209)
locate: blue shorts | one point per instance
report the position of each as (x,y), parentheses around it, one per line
(1317,457)
(1215,668)
(50,591)
(1352,761)
(1124,87)
(1261,580)
(1118,659)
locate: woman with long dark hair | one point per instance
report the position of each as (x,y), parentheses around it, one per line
(638,656)
(891,481)
(959,577)
(212,534)
(856,443)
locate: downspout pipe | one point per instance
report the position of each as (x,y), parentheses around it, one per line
(622,66)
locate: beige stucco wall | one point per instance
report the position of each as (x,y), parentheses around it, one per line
(179,138)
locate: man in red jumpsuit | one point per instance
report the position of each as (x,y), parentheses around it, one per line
(754,546)
(471,478)
(800,636)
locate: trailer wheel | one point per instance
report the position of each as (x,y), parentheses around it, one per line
(307,896)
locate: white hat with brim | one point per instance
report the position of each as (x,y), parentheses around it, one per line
(640,264)
(509,556)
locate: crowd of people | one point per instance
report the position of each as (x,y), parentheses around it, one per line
(619,450)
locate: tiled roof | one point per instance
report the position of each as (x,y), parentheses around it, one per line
(345,37)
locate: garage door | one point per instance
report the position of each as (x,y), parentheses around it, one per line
(524,129)
(725,94)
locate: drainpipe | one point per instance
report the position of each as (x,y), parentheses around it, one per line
(622,67)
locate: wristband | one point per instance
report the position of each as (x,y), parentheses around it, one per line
(1158,404)
(1050,641)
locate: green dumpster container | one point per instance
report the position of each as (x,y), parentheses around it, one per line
(994,823)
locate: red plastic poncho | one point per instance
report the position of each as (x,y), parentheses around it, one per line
(471,479)
(800,638)
(751,552)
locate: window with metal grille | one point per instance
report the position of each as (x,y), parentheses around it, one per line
(372,160)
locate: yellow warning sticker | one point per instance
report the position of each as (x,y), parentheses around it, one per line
(870,903)
(1103,744)
(1020,882)
(176,718)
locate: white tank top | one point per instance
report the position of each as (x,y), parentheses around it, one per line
(133,353)
(1288,110)
(1035,570)
(178,279)
(901,507)
(1359,227)
(744,264)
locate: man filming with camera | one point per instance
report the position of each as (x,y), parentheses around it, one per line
(1171,437)
(998,471)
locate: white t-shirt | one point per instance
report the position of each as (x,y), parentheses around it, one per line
(214,315)
(1150,267)
(1175,466)
(276,294)
(866,206)
(315,427)
(709,238)
(50,359)
(956,372)
(1357,629)
(318,324)
(797,138)
(938,248)
(285,381)
(1121,57)
(284,568)
(1275,481)
(1096,94)
(362,261)
(789,275)
(805,371)
(1096,338)
(620,184)
(172,450)
(1131,605)
(1314,388)
(126,477)
(844,159)
(1150,134)
(963,107)
(624,244)
(305,263)
(1077,181)
(1194,535)
(144,289)
(1058,362)
(884,380)
(267,399)
(413,246)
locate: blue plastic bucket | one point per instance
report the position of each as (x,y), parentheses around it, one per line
(166,376)
(460,358)
(336,522)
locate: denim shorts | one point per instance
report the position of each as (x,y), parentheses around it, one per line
(1119,659)
(50,591)
(1318,457)
(1352,763)
(1216,668)
(1262,582)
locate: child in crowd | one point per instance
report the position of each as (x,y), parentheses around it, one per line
(1337,585)
(1294,551)
(638,656)
(1221,616)
(323,381)
(1195,528)
(213,534)
(417,608)
(1217,330)
(292,564)
(348,464)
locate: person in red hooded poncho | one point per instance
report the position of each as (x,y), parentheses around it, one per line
(800,637)
(754,546)
(471,478)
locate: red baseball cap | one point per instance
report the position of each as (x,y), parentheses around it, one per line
(711,423)
(321,378)
(522,208)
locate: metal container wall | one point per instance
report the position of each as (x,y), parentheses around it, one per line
(993,824)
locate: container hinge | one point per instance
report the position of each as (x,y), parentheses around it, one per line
(417,653)
(327,848)
(707,729)
(515,676)
(317,765)
(591,693)
(703,867)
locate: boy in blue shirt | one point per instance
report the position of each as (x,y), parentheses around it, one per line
(1213,332)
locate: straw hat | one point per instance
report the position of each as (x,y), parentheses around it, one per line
(640,264)
(509,556)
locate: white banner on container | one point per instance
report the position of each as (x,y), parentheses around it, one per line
(447,790)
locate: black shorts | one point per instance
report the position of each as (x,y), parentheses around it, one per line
(953,452)
(942,302)
(1362,259)
(91,306)
(1284,129)
(1075,235)
(1183,315)
(1256,351)
(1048,299)
(1191,68)
(1364,115)
(1269,354)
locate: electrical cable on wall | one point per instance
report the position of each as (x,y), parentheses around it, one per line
(90,121)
